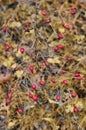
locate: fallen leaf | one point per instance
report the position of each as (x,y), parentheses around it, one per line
(53,60)
(5,78)
(14,24)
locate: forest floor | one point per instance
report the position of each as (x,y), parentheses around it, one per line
(42,65)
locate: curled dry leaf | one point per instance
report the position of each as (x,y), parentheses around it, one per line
(5,78)
(14,24)
(53,60)
(11,124)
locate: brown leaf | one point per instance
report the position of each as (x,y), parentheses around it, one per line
(5,78)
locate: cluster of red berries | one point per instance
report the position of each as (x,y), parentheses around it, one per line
(9,96)
(46,63)
(58,47)
(72,10)
(78,76)
(34,97)
(44,13)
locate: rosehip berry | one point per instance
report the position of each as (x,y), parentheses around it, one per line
(72,12)
(42,82)
(47,21)
(4,28)
(63,71)
(20,110)
(60,35)
(60,46)
(68,58)
(73,7)
(44,12)
(31,68)
(56,49)
(30,95)
(7,47)
(33,86)
(65,81)
(12,90)
(53,80)
(73,94)
(46,63)
(8,101)
(43,64)
(58,98)
(26,24)
(79,78)
(22,50)
(35,98)
(67,26)
(9,95)
(75,109)
(77,74)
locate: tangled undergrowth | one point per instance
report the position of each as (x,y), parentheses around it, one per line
(42,65)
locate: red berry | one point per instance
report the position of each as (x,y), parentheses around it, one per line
(67,26)
(73,7)
(7,47)
(31,68)
(30,95)
(35,98)
(60,46)
(75,109)
(22,50)
(68,58)
(12,90)
(47,21)
(44,12)
(20,110)
(65,81)
(26,24)
(46,63)
(72,12)
(4,28)
(42,82)
(43,64)
(79,78)
(58,98)
(73,94)
(9,95)
(63,71)
(34,86)
(8,101)
(60,35)
(53,80)
(56,49)
(77,74)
